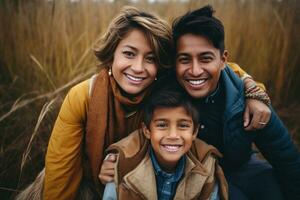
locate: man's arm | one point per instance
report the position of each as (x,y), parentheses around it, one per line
(257,113)
(277,147)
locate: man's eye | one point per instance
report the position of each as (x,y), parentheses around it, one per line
(128,54)
(183,60)
(206,59)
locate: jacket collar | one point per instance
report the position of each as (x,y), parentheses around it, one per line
(144,171)
(234,92)
(136,179)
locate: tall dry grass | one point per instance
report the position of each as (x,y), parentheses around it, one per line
(45,47)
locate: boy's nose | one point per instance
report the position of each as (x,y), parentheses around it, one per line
(173,133)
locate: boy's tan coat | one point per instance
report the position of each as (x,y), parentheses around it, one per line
(135,178)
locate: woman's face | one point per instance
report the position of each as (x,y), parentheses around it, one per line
(134,67)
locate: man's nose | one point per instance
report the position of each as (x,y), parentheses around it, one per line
(196,68)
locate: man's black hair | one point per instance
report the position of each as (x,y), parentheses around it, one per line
(170,97)
(200,22)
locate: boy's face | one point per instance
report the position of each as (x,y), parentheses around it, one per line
(198,65)
(171,134)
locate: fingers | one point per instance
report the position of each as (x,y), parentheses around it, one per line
(260,113)
(264,119)
(259,120)
(111,157)
(105,179)
(107,171)
(246,117)
(106,175)
(254,125)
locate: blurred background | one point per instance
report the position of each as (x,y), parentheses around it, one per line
(46,47)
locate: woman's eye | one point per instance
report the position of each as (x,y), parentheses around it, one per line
(150,59)
(128,54)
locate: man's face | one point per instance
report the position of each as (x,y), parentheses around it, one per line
(198,65)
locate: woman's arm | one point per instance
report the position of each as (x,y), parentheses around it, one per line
(244,75)
(64,155)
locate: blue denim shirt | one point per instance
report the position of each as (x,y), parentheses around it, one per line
(166,183)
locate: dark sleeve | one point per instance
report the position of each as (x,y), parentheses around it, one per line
(276,145)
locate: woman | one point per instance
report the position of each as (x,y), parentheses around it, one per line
(134,53)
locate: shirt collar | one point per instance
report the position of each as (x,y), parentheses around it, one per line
(215,96)
(176,175)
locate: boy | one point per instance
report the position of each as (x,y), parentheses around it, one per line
(164,160)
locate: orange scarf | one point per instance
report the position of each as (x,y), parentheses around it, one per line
(106,119)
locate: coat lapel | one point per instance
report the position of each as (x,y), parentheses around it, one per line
(143,181)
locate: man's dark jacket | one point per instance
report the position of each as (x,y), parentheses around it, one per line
(273,141)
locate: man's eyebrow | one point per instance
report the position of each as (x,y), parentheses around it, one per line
(207,53)
(182,54)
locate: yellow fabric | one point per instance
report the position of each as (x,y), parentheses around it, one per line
(240,72)
(64,155)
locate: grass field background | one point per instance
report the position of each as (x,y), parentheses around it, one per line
(46,47)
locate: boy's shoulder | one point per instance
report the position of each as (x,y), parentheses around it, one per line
(130,145)
(201,150)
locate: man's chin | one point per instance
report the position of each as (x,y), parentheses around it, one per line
(197,94)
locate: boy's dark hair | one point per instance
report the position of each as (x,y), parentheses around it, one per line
(200,22)
(170,97)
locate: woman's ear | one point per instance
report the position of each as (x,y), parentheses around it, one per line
(146,131)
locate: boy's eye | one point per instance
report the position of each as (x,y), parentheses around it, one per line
(128,54)
(184,125)
(161,125)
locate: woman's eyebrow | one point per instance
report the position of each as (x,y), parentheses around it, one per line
(131,47)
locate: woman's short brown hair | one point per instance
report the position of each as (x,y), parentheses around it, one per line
(157,31)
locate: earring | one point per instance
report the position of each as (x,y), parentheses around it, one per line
(155,79)
(109,72)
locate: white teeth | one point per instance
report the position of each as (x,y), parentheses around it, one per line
(134,78)
(171,148)
(196,82)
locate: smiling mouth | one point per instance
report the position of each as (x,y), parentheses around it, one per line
(134,78)
(171,147)
(196,82)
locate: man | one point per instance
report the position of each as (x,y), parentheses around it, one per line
(201,70)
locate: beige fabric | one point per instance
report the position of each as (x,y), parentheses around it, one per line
(139,183)
(33,191)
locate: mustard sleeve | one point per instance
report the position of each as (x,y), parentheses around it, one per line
(240,72)
(64,154)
